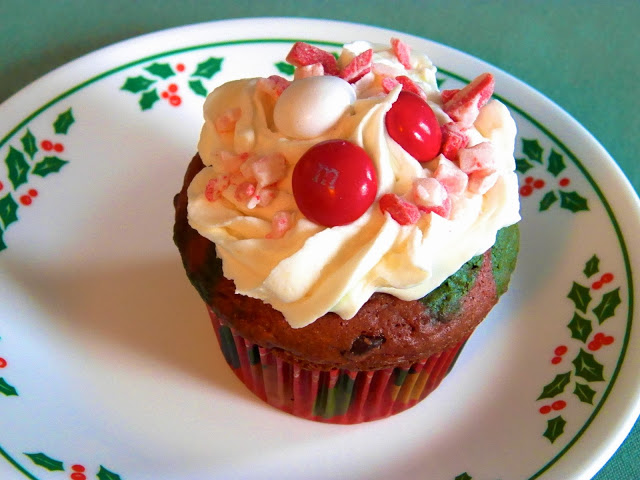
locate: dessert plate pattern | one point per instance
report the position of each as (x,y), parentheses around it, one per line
(109,369)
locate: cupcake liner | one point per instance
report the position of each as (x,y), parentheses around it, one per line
(335,396)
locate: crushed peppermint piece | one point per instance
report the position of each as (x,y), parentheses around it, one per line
(465,105)
(450,176)
(281,223)
(453,139)
(359,66)
(273,86)
(215,187)
(306,71)
(430,195)
(303,54)
(403,212)
(409,85)
(478,157)
(402,52)
(226,122)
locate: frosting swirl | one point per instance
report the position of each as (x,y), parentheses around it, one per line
(242,200)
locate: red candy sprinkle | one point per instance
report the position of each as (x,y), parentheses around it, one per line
(401,211)
(414,126)
(465,104)
(402,51)
(334,183)
(358,67)
(410,86)
(302,54)
(453,139)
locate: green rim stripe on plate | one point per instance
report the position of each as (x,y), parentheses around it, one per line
(537,124)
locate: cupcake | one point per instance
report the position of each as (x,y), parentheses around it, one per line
(349,229)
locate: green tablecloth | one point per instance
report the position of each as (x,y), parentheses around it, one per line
(585,56)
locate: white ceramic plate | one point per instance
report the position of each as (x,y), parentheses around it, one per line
(109,367)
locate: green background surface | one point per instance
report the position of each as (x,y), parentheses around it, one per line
(583,55)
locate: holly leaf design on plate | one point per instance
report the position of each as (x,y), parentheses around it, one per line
(49,165)
(197,87)
(522,165)
(584,392)
(580,327)
(588,367)
(592,266)
(162,70)
(18,167)
(549,199)
(464,476)
(104,474)
(147,99)
(556,387)
(208,68)
(46,461)
(555,428)
(137,84)
(607,306)
(6,389)
(2,244)
(286,68)
(555,163)
(63,122)
(580,296)
(573,201)
(532,149)
(29,144)
(8,210)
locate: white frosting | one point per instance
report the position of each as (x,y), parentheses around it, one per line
(309,270)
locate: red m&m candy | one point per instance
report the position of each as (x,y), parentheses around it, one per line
(334,183)
(414,126)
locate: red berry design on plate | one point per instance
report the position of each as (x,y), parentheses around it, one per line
(58,147)
(545,409)
(33,192)
(25,200)
(558,405)
(3,362)
(526,190)
(173,88)
(1,186)
(413,125)
(47,145)
(564,182)
(180,67)
(334,183)
(175,100)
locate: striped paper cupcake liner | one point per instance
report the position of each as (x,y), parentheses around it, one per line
(336,396)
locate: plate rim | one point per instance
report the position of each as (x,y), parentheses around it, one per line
(630,195)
